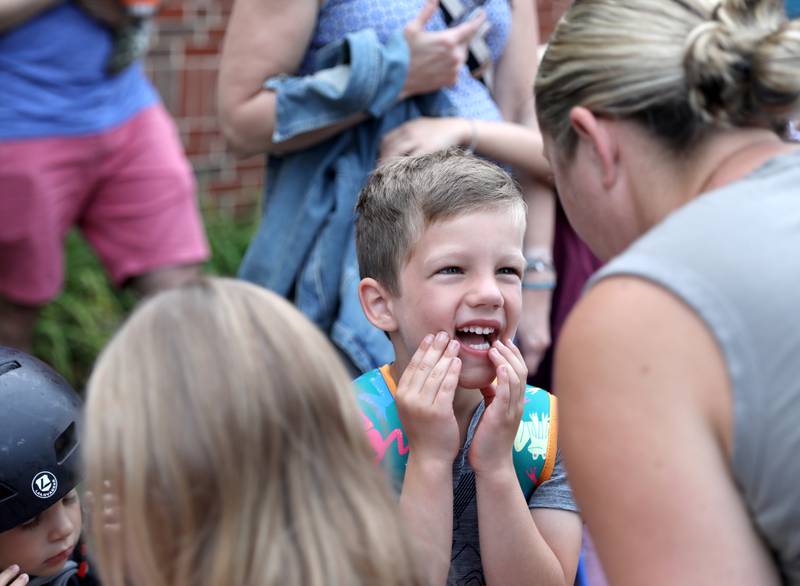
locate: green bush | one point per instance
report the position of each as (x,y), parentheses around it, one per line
(74,328)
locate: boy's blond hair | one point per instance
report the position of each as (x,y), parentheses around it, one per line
(227,426)
(407,194)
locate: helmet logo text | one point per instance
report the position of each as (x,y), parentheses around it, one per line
(44,485)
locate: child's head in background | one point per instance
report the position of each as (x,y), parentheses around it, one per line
(227,427)
(40,511)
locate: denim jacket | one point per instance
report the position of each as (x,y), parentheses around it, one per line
(304,248)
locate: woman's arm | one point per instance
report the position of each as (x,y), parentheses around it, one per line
(514,95)
(646,428)
(270,37)
(15,12)
(506,142)
(263,38)
(516,140)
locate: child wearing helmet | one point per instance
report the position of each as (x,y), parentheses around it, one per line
(40,511)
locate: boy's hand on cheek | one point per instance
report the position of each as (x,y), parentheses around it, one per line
(11,577)
(492,445)
(425,400)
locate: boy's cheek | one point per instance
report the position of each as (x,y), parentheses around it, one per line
(17,552)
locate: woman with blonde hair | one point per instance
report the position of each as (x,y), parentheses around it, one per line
(678,371)
(224,425)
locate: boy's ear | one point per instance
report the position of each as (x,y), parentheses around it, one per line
(376,303)
(594,131)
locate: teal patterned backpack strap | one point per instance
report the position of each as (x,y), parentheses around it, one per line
(375,395)
(535,444)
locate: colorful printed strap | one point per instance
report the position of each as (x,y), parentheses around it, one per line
(534,446)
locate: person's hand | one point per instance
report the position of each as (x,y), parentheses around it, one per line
(109,12)
(533,333)
(504,399)
(425,135)
(106,508)
(435,57)
(425,399)
(11,577)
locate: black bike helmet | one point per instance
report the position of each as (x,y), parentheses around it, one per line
(39,436)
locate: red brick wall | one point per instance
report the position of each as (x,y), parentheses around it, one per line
(183,64)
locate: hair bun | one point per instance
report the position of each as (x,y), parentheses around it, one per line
(732,64)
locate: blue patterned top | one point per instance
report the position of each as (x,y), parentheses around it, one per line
(336,18)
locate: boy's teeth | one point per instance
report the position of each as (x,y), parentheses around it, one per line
(477,330)
(483,346)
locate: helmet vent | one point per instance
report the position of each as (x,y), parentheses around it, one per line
(9,366)
(65,443)
(6,493)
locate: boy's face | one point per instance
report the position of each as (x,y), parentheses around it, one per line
(42,545)
(464,277)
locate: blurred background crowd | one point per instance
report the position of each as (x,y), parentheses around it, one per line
(183,63)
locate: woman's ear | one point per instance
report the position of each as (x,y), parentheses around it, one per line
(376,302)
(596,133)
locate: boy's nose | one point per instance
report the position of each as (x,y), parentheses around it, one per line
(61,524)
(485,291)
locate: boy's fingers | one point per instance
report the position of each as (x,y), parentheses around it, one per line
(431,357)
(503,387)
(428,358)
(396,148)
(416,359)
(390,139)
(464,32)
(447,389)
(513,357)
(508,384)
(438,373)
(424,15)
(11,571)
(6,574)
(523,364)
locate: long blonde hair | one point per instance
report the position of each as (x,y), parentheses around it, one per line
(226,425)
(680,67)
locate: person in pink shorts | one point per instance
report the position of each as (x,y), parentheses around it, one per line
(80,147)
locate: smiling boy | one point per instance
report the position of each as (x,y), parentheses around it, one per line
(439,240)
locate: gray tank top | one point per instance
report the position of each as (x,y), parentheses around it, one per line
(733,256)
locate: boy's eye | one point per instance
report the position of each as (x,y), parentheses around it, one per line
(70,497)
(510,271)
(450,271)
(30,523)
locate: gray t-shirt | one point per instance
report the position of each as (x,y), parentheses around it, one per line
(465,566)
(733,256)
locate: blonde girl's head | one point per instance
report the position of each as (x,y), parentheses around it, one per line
(682,68)
(224,423)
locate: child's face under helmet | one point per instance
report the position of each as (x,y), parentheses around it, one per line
(39,437)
